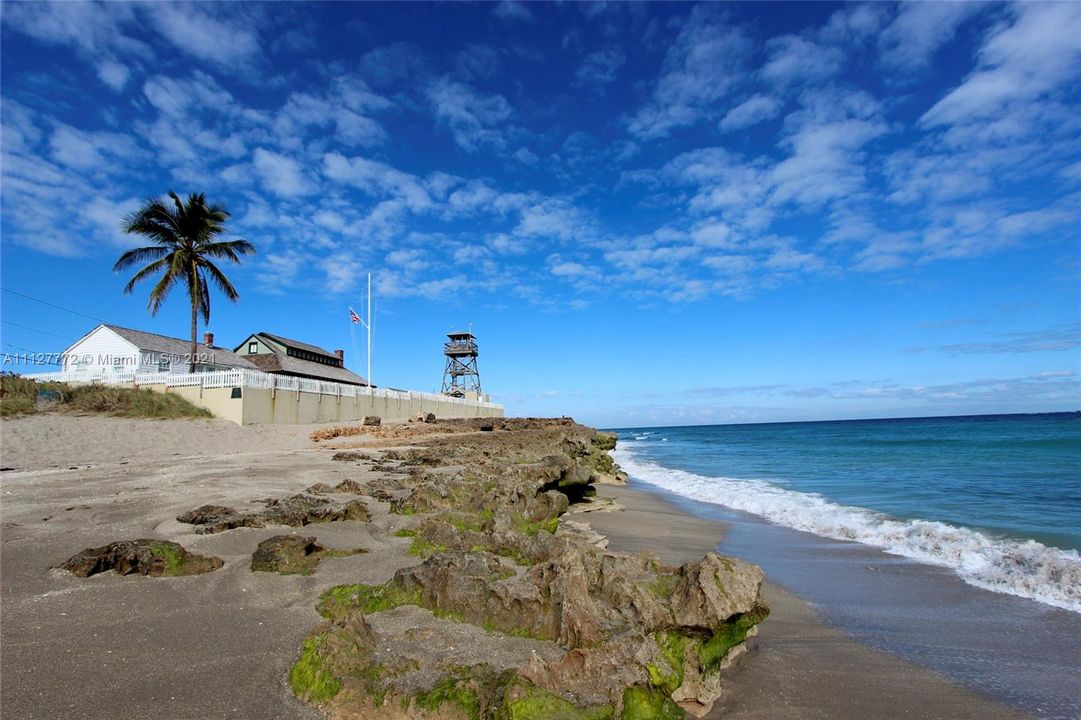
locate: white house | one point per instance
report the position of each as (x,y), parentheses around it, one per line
(111,349)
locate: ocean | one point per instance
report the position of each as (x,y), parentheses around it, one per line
(952,542)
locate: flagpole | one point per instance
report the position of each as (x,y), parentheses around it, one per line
(369,326)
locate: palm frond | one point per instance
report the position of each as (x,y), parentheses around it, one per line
(153,219)
(146,272)
(139,255)
(204,298)
(220,280)
(163,286)
(228,249)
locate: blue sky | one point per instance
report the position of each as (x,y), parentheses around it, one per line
(650,214)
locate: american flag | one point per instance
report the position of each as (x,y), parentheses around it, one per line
(353,317)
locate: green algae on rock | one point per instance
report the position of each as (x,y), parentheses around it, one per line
(293,555)
(294,511)
(338,601)
(310,678)
(583,633)
(642,703)
(155,558)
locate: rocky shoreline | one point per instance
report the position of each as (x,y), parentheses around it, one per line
(581,631)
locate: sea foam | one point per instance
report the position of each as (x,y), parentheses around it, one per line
(1025,568)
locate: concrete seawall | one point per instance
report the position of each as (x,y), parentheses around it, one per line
(249,397)
(290,407)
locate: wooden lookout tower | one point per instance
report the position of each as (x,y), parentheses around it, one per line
(460,376)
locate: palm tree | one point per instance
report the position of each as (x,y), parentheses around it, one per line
(187,241)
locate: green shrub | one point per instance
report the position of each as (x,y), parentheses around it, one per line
(18,396)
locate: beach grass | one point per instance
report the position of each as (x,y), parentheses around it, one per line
(22,396)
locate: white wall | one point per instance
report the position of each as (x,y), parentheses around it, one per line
(103,352)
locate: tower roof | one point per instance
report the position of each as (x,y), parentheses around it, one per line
(461,335)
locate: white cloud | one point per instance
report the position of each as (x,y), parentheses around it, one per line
(1072,172)
(790,259)
(753,110)
(90,151)
(827,141)
(341,270)
(526,156)
(705,62)
(730,264)
(794,59)
(1039,52)
(600,68)
(554,218)
(473,119)
(281,175)
(919,30)
(713,234)
(113,74)
(227,43)
(378,179)
(38,190)
(329,219)
(413,259)
(990,391)
(358,130)
(177,97)
(510,10)
(92,29)
(854,24)
(940,176)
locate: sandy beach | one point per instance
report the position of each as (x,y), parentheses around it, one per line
(221,644)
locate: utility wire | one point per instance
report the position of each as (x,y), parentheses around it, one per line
(58,307)
(27,327)
(34,352)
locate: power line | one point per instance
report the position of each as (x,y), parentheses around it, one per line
(35,353)
(27,327)
(58,307)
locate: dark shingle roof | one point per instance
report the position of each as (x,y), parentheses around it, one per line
(296,344)
(286,365)
(152,342)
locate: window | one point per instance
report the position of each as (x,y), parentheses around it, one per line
(253,348)
(163,365)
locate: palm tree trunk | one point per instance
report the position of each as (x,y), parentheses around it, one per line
(194,333)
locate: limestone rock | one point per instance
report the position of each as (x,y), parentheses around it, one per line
(156,558)
(713,590)
(613,634)
(287,555)
(216,518)
(300,510)
(349,486)
(295,511)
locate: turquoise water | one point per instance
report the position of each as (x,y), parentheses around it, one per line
(997,499)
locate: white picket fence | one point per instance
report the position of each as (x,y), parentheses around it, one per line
(250,379)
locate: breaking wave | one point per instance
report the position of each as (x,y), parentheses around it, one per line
(1024,568)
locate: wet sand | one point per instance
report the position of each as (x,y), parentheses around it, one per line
(220,645)
(800,667)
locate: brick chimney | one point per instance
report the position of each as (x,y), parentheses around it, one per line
(208,339)
(340,354)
